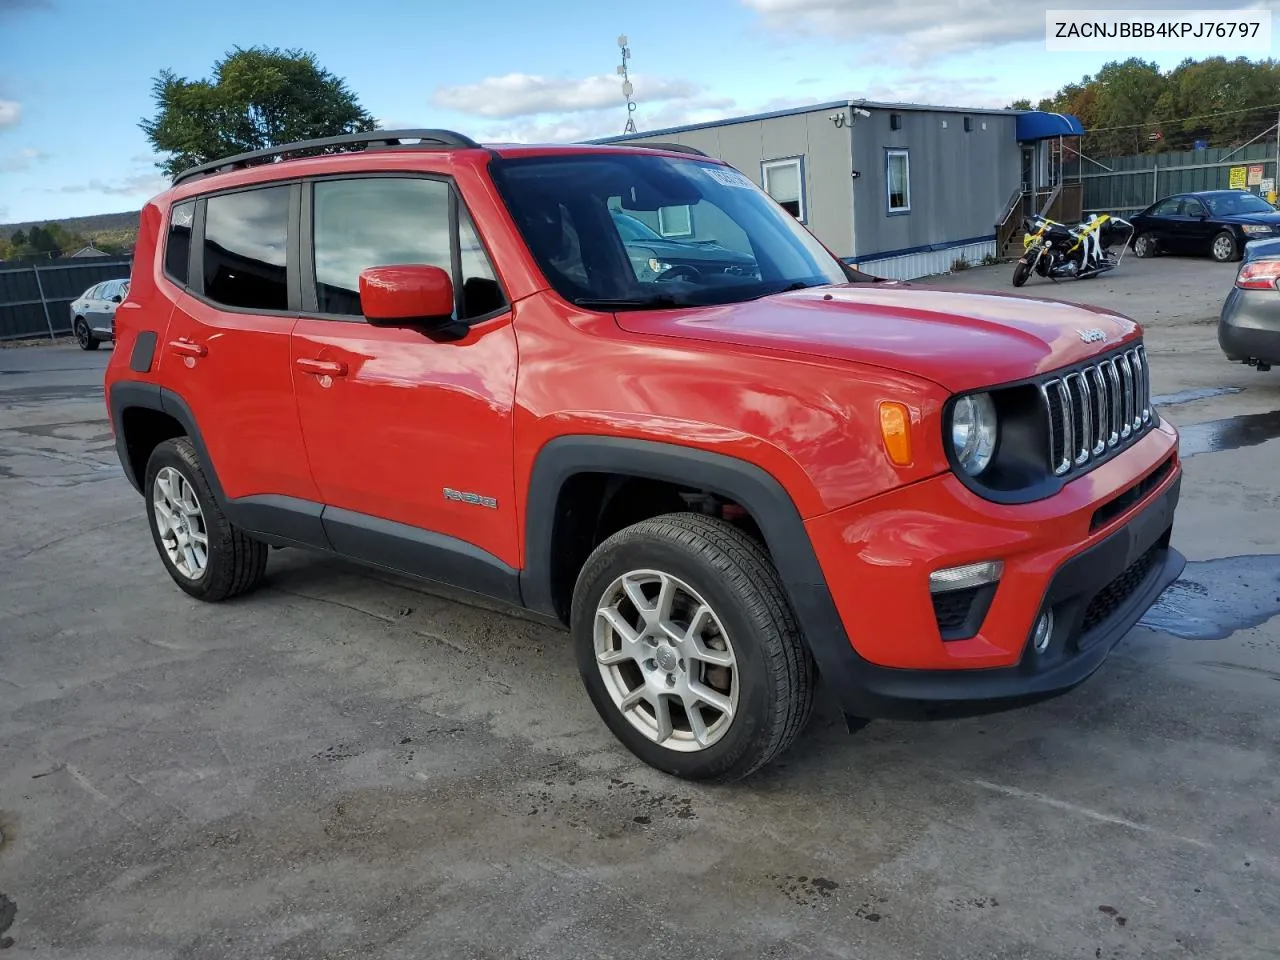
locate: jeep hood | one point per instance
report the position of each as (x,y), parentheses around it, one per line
(960,340)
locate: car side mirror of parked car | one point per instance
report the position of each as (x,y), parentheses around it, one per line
(117,299)
(416,295)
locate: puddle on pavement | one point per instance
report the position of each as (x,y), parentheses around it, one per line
(1189,396)
(1215,598)
(1214,436)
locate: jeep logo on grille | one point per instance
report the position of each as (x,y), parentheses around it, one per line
(1093,335)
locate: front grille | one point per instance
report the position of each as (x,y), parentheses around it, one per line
(1119,590)
(1097,409)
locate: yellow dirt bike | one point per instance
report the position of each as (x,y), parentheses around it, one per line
(1056,251)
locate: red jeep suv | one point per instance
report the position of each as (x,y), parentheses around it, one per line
(732,467)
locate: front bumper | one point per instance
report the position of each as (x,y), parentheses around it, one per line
(1098,554)
(1249,326)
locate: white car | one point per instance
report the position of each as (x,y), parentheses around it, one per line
(93,314)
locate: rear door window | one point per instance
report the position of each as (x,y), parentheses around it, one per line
(246,238)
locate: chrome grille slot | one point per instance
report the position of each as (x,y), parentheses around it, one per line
(1096,409)
(1081,419)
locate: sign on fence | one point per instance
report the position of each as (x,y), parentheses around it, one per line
(1255,174)
(1267,184)
(1239,178)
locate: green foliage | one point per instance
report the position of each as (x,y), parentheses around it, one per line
(960,263)
(990,260)
(1129,100)
(258,97)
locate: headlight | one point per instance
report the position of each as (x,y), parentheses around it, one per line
(974,430)
(1255,228)
(657,266)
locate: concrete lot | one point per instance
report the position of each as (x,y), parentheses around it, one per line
(345,766)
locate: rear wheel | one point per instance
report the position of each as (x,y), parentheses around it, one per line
(1021,271)
(688,648)
(205,555)
(1144,246)
(1224,248)
(84,336)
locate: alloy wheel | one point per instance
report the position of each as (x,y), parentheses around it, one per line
(180,522)
(82,333)
(666,660)
(1223,248)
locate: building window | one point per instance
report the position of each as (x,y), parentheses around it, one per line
(784,181)
(898,179)
(675,222)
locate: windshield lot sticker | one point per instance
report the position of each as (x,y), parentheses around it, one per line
(730,178)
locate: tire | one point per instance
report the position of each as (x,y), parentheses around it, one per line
(1144,246)
(234,562)
(1224,247)
(769,684)
(84,336)
(1021,271)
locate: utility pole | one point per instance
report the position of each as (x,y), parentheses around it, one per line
(627,88)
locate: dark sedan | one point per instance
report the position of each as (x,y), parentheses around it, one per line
(653,255)
(1249,327)
(1216,222)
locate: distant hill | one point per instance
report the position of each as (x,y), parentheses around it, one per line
(103,223)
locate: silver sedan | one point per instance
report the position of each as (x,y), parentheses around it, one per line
(93,313)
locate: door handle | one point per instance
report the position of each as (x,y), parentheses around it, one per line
(331,368)
(188,349)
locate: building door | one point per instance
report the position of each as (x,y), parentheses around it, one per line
(1028,181)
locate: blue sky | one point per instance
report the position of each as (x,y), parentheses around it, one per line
(75,75)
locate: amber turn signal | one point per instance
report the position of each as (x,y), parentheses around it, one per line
(895,428)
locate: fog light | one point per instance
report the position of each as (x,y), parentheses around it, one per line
(1044,632)
(966,577)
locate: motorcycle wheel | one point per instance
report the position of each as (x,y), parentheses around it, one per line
(1020,273)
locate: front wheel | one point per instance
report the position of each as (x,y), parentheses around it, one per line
(1225,248)
(1021,271)
(688,647)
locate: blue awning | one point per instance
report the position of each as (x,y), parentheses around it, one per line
(1039,125)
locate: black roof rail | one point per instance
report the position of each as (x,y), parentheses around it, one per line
(674,147)
(373,139)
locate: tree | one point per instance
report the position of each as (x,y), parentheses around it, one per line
(257,98)
(1019,105)
(19,239)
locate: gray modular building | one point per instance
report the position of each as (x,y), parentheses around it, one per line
(902,190)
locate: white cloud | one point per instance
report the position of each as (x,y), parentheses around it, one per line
(927,29)
(592,124)
(140,185)
(10,112)
(22,160)
(523,95)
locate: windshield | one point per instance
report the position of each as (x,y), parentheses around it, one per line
(636,231)
(1232,204)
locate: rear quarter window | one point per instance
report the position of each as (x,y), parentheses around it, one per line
(177,247)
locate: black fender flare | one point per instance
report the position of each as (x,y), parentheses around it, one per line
(128,394)
(758,491)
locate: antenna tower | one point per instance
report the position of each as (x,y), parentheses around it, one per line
(627,88)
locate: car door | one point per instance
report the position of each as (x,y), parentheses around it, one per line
(410,438)
(225,355)
(1161,222)
(1199,228)
(104,306)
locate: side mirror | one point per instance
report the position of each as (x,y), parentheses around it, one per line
(407,295)
(117,299)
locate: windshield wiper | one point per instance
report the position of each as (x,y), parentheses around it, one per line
(633,303)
